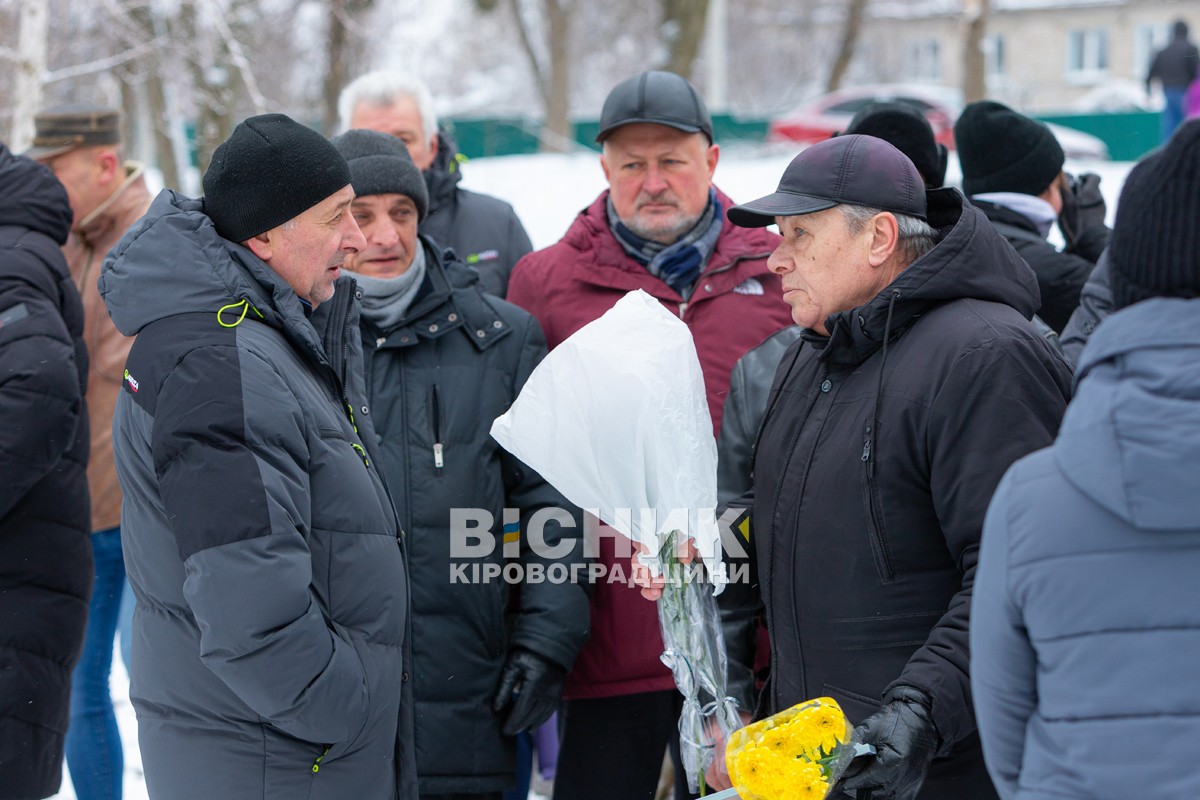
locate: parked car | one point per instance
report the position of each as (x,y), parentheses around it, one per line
(819,119)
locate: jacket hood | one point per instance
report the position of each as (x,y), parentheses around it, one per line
(443,175)
(172,261)
(32,197)
(970,261)
(1130,437)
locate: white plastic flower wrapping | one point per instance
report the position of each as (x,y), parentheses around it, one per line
(616,418)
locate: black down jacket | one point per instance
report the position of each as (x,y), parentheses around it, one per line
(435,383)
(46,568)
(873,470)
(483,231)
(271,638)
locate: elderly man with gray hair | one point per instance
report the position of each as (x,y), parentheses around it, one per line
(483,231)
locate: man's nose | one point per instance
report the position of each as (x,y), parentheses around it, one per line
(655,181)
(353,240)
(778,262)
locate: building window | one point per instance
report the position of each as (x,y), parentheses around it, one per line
(993,56)
(1147,40)
(923,61)
(1087,55)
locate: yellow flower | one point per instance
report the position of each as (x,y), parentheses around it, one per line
(791,754)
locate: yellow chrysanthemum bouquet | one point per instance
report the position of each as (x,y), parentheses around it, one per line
(796,754)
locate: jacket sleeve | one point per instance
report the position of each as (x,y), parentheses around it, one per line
(1003,663)
(554,614)
(1001,400)
(1095,304)
(740,604)
(735,443)
(232,461)
(40,395)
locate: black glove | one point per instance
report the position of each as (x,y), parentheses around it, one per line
(905,740)
(1083,207)
(532,684)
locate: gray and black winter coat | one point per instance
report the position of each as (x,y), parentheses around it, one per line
(272,627)
(873,471)
(483,231)
(435,382)
(46,567)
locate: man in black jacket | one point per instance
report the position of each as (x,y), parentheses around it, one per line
(443,360)
(483,231)
(917,380)
(46,571)
(1013,171)
(1175,67)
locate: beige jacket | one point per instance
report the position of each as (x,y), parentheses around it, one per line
(91,239)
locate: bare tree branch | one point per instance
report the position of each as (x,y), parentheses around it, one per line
(539,73)
(855,11)
(101,65)
(238,56)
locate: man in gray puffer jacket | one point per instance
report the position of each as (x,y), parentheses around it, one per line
(270,653)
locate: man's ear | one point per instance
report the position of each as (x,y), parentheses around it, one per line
(261,245)
(885,238)
(109,168)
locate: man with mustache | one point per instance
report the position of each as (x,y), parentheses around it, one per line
(659,227)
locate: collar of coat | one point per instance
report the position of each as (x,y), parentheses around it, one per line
(970,261)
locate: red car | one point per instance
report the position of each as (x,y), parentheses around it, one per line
(821,118)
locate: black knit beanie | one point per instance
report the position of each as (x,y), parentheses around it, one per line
(1003,151)
(906,129)
(380,164)
(269,170)
(1155,245)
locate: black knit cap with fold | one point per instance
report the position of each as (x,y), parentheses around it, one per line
(905,128)
(1155,245)
(1001,150)
(380,164)
(269,170)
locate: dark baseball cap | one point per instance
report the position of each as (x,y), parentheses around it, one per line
(846,170)
(62,129)
(663,98)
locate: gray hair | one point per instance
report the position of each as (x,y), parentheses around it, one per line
(917,237)
(383,88)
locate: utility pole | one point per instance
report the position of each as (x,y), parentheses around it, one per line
(716,49)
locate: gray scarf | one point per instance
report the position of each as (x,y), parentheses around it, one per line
(385,301)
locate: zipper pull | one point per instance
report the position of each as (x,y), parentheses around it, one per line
(438,461)
(317,763)
(866,453)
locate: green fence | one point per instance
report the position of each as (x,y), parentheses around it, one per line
(505,136)
(1129,135)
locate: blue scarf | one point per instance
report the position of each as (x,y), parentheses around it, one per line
(679,264)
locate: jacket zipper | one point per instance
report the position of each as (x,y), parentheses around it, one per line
(883,563)
(316,767)
(435,416)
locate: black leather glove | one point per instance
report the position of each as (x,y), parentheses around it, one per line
(1083,207)
(905,740)
(532,685)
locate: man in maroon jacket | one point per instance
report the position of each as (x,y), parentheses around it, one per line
(660,227)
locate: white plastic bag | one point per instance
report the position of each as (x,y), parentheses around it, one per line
(616,418)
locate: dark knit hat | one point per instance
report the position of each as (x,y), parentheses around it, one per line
(1155,246)
(1003,151)
(269,170)
(844,170)
(906,129)
(663,98)
(380,164)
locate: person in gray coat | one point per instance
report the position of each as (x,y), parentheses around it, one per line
(442,361)
(271,634)
(1085,623)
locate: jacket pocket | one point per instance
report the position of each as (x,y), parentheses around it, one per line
(876,532)
(436,423)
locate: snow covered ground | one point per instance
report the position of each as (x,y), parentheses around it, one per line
(547,192)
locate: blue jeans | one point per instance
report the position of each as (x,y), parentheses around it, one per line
(1173,113)
(93,746)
